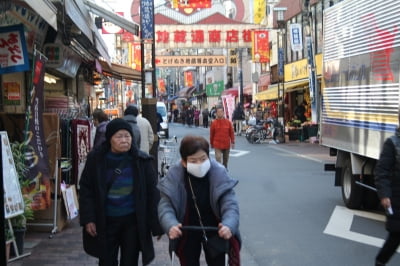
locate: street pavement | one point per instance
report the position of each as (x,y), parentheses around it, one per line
(65,247)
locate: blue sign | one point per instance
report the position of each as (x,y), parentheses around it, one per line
(281,58)
(147,19)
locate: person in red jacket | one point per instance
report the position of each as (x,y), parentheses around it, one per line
(222,137)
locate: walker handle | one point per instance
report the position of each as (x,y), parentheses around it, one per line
(199,228)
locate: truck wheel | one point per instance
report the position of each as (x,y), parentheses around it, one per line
(351,192)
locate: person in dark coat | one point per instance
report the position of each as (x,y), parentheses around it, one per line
(387,181)
(118,200)
(130,117)
(238,117)
(100,121)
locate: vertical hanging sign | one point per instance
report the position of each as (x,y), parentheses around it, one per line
(13,53)
(147,19)
(36,153)
(296,38)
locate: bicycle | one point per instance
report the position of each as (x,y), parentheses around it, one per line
(167,155)
(264,130)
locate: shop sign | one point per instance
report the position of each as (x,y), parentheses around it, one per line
(12,93)
(296,70)
(299,70)
(215,89)
(13,53)
(62,58)
(296,37)
(147,19)
(260,45)
(207,36)
(194,60)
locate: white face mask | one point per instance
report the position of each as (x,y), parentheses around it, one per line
(199,169)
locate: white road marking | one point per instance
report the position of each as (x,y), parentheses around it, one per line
(234,153)
(340,223)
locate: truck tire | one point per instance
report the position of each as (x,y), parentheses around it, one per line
(351,192)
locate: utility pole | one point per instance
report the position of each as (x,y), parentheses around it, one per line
(240,64)
(314,88)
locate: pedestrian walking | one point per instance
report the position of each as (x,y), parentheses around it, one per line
(238,117)
(198,191)
(146,131)
(205,113)
(222,137)
(387,181)
(118,200)
(196,116)
(100,121)
(131,119)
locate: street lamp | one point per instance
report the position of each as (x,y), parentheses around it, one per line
(280,19)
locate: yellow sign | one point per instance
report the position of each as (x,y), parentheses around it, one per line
(232,57)
(259,11)
(194,60)
(299,69)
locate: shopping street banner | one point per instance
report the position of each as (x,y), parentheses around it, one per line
(37,154)
(13,52)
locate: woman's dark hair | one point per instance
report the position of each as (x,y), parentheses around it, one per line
(192,144)
(99,115)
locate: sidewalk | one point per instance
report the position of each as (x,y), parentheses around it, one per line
(65,248)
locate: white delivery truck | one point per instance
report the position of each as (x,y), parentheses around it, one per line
(360,91)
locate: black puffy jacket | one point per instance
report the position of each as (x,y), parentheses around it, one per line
(387,179)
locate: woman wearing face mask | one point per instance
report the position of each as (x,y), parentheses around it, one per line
(198,191)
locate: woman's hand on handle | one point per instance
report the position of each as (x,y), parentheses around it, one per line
(175,232)
(224,231)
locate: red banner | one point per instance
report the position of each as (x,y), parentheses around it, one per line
(260,46)
(188,79)
(36,154)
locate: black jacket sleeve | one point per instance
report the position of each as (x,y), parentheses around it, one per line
(384,169)
(87,199)
(153,197)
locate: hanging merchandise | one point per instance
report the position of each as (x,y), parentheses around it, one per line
(80,146)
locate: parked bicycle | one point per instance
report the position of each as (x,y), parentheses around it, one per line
(265,130)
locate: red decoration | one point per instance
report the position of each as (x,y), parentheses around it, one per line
(162,36)
(198,36)
(179,36)
(214,35)
(232,36)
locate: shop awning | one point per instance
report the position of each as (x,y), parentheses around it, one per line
(120,71)
(112,17)
(81,20)
(270,94)
(46,10)
(186,92)
(295,85)
(101,47)
(233,91)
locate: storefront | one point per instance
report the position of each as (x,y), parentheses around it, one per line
(296,84)
(297,91)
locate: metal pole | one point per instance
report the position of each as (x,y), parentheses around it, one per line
(240,77)
(283,82)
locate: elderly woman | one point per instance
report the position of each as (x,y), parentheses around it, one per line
(118,200)
(198,191)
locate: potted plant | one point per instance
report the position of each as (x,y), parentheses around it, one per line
(19,222)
